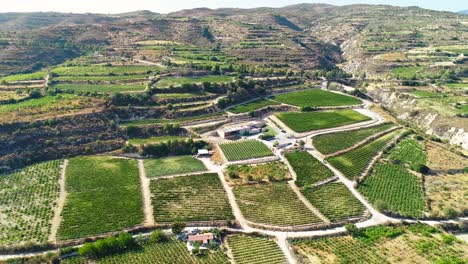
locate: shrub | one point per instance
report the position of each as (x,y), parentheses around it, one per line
(352,230)
(449,212)
(158,236)
(177,227)
(88,250)
(421,168)
(381,206)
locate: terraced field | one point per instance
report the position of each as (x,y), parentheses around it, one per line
(273,204)
(101,88)
(94,183)
(308,169)
(398,190)
(245,149)
(190,198)
(309,121)
(27,200)
(103,70)
(153,140)
(331,143)
(24,77)
(265,172)
(352,163)
(316,98)
(408,151)
(252,106)
(178,81)
(255,250)
(334,201)
(172,165)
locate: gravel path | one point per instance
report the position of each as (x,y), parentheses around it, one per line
(60,203)
(145,190)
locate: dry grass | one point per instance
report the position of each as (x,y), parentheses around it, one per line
(439,158)
(392,56)
(447,191)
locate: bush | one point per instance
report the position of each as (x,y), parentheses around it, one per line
(177,227)
(88,250)
(158,236)
(449,212)
(421,168)
(107,246)
(381,206)
(129,148)
(352,230)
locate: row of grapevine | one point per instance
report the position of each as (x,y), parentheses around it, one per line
(255,250)
(308,169)
(245,149)
(408,151)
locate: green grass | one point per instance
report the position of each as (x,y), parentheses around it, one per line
(45,101)
(303,122)
(307,168)
(426,94)
(172,165)
(456,85)
(334,201)
(103,195)
(101,78)
(254,105)
(316,98)
(28,197)
(255,250)
(409,151)
(398,189)
(178,81)
(331,143)
(190,198)
(406,73)
(274,204)
(152,140)
(101,88)
(103,70)
(245,149)
(174,121)
(352,163)
(24,77)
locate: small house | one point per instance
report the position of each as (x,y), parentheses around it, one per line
(203,153)
(204,240)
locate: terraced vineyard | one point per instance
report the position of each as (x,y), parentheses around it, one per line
(101,88)
(27,198)
(334,201)
(190,198)
(273,204)
(331,143)
(93,184)
(172,251)
(254,105)
(245,149)
(408,151)
(309,121)
(103,70)
(352,163)
(316,98)
(178,81)
(255,250)
(153,140)
(265,172)
(308,169)
(399,190)
(172,165)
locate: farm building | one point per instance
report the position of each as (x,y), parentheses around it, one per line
(250,129)
(204,240)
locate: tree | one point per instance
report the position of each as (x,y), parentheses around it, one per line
(158,236)
(88,250)
(352,230)
(196,248)
(126,241)
(177,227)
(381,206)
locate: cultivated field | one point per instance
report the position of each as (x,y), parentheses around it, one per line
(178,81)
(352,163)
(244,150)
(101,88)
(252,106)
(273,204)
(394,189)
(24,77)
(153,140)
(331,143)
(27,200)
(265,172)
(408,151)
(103,195)
(190,198)
(308,169)
(316,98)
(172,165)
(255,250)
(334,201)
(308,121)
(103,70)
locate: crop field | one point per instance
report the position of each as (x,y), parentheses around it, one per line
(245,149)
(334,201)
(172,165)
(28,197)
(352,163)
(152,140)
(190,198)
(316,98)
(103,195)
(399,190)
(252,106)
(103,70)
(102,77)
(406,73)
(24,77)
(101,88)
(173,121)
(178,81)
(172,251)
(255,250)
(331,143)
(408,151)
(303,122)
(308,169)
(265,172)
(376,245)
(273,204)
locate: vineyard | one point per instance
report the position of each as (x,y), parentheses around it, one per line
(274,204)
(103,70)
(308,169)
(153,140)
(172,251)
(178,81)
(331,143)
(335,201)
(377,245)
(352,163)
(103,195)
(28,197)
(265,172)
(190,198)
(245,149)
(395,189)
(172,165)
(308,121)
(254,105)
(255,250)
(316,98)
(101,88)
(408,151)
